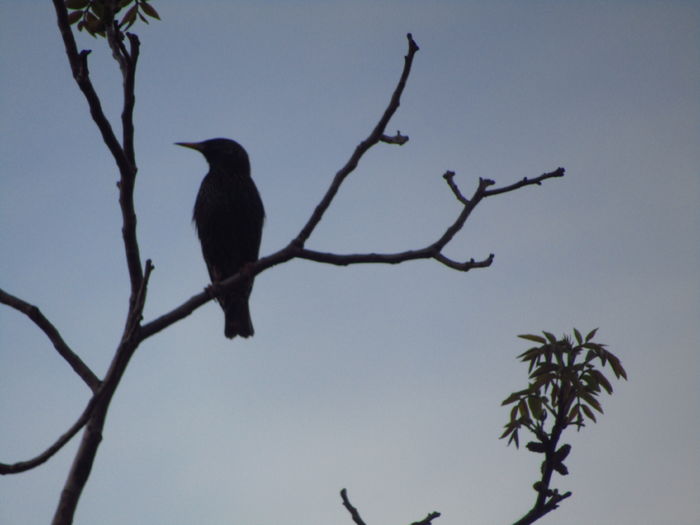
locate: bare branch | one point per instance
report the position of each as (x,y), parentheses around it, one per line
(352,510)
(54,335)
(23,466)
(295,249)
(449,177)
(464,266)
(359,521)
(559,172)
(374,137)
(392,258)
(398,139)
(428,519)
(127,168)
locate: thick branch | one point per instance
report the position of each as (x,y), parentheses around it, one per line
(548,499)
(374,137)
(296,250)
(54,336)
(210,292)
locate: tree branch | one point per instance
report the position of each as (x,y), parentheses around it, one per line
(352,510)
(31,311)
(23,466)
(374,137)
(559,172)
(359,521)
(127,168)
(428,520)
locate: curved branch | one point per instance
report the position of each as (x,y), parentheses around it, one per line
(54,336)
(392,258)
(352,510)
(355,514)
(23,466)
(377,135)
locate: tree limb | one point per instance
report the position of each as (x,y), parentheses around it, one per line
(352,510)
(31,311)
(127,168)
(374,137)
(23,466)
(359,521)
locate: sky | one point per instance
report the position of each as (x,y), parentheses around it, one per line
(384,380)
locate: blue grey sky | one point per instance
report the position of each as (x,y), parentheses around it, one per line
(383,380)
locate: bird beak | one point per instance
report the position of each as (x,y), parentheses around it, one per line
(192,145)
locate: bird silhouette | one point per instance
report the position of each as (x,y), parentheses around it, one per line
(229,215)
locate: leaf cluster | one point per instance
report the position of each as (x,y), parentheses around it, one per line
(565,380)
(96,15)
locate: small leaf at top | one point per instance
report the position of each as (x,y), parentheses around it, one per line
(74,17)
(550,337)
(531,337)
(149,10)
(591,334)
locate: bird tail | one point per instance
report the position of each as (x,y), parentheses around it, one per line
(238,321)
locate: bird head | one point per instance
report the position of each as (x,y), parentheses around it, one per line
(221,152)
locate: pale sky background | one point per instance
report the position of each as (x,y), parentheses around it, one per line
(384,380)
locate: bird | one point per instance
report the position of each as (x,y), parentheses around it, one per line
(228,216)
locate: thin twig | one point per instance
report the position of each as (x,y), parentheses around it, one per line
(127,169)
(54,336)
(374,137)
(559,172)
(428,519)
(352,510)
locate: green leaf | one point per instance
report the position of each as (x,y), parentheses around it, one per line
(149,10)
(592,401)
(591,334)
(550,337)
(77,4)
(129,18)
(524,412)
(507,431)
(514,413)
(573,413)
(589,413)
(535,405)
(74,17)
(511,399)
(93,24)
(577,334)
(531,337)
(603,381)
